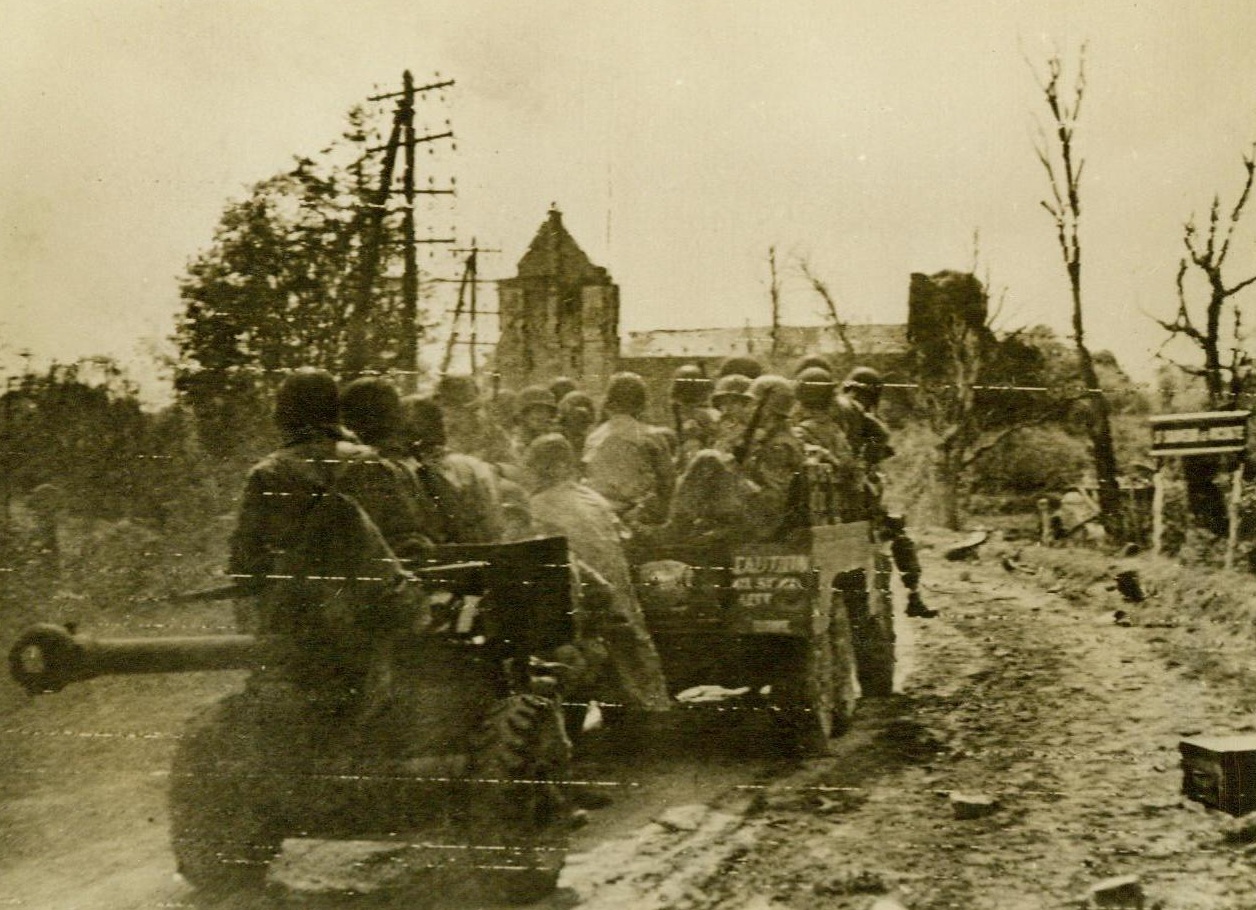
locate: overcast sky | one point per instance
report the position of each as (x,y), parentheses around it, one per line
(680,139)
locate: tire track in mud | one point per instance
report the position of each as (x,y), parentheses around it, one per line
(1070,722)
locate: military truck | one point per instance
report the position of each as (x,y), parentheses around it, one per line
(455,750)
(795,621)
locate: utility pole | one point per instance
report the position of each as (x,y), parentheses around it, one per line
(359,354)
(408,349)
(467,302)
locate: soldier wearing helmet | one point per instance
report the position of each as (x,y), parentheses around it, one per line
(825,439)
(734,405)
(625,459)
(869,437)
(317,455)
(771,455)
(577,413)
(695,422)
(470,429)
(536,413)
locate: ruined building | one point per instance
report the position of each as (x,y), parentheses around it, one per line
(559,315)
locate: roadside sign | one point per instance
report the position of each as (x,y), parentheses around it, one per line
(1201,433)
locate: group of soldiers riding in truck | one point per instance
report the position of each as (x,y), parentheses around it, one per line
(454,468)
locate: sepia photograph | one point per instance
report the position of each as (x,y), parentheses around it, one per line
(655,455)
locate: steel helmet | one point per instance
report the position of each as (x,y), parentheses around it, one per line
(535,396)
(456,391)
(423,420)
(625,394)
(733,385)
(775,392)
(815,387)
(690,385)
(306,398)
(812,361)
(864,382)
(371,408)
(743,366)
(561,386)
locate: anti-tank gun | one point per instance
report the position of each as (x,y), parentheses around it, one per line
(463,751)
(47,657)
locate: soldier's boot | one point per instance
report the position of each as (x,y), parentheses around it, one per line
(916,606)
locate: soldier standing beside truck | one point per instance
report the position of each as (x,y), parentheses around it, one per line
(855,409)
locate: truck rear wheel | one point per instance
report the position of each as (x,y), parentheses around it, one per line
(223,837)
(519,814)
(805,698)
(870,610)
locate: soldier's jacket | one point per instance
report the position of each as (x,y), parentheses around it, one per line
(284,486)
(630,465)
(775,462)
(823,435)
(729,432)
(868,436)
(698,428)
(463,492)
(471,432)
(595,535)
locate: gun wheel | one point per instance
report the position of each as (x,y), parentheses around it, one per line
(223,838)
(518,763)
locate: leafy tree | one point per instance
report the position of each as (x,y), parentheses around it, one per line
(278,286)
(963,373)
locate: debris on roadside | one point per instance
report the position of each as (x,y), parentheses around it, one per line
(852,881)
(1124,892)
(1220,772)
(967,806)
(967,548)
(1240,830)
(1129,586)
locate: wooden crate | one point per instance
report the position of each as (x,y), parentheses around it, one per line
(1220,771)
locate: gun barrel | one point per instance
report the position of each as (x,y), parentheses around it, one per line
(47,658)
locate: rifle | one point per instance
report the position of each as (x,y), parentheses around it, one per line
(742,449)
(679,420)
(460,577)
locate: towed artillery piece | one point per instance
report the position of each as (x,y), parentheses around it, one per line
(450,747)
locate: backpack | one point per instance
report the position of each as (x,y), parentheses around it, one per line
(339,585)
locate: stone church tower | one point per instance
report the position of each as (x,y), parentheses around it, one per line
(559,315)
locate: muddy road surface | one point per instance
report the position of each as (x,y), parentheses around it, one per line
(1031,755)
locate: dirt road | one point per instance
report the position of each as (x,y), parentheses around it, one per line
(1067,721)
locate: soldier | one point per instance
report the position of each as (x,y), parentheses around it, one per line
(464,488)
(816,428)
(407,514)
(314,456)
(625,459)
(563,505)
(535,415)
(577,413)
(734,406)
(308,541)
(772,456)
(696,423)
(470,429)
(869,437)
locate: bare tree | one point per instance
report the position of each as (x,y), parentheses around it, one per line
(818,285)
(774,292)
(1208,256)
(1058,156)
